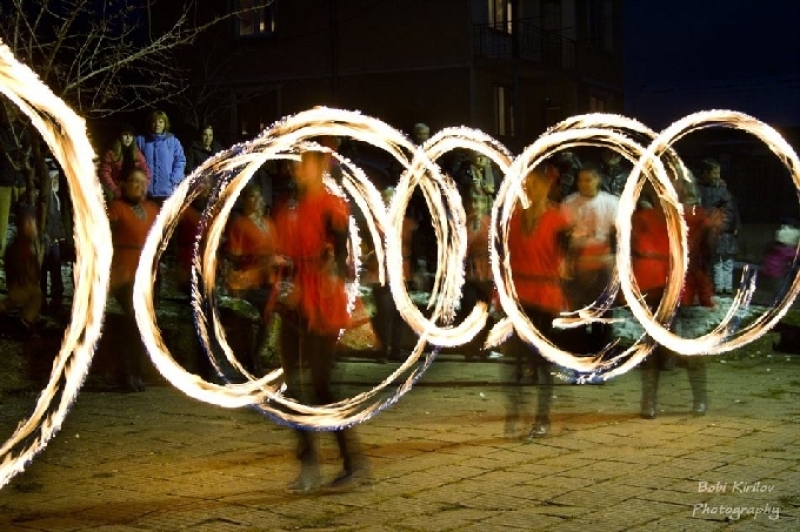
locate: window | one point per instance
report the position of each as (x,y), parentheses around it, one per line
(500,15)
(504,111)
(597,104)
(600,19)
(255,18)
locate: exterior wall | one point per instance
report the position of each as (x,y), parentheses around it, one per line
(418,60)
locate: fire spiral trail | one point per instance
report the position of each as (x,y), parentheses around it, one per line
(65,135)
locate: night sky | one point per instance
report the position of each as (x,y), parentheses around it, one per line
(688,55)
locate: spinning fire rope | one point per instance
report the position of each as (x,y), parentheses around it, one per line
(65,134)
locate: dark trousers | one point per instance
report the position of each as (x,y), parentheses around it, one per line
(582,290)
(258,297)
(388,323)
(303,350)
(131,349)
(51,266)
(528,362)
(474,292)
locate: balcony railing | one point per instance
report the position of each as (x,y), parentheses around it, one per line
(527,42)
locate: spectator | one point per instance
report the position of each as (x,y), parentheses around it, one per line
(164,155)
(202,149)
(12,177)
(714,195)
(119,159)
(592,244)
(53,239)
(475,178)
(615,174)
(568,165)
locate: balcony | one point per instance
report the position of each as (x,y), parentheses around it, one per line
(526,42)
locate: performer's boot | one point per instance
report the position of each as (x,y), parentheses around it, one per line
(541,425)
(309,478)
(650,374)
(697,380)
(356,466)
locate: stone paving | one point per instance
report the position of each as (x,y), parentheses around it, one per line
(163,462)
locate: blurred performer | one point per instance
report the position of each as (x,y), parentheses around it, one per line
(478,278)
(592,244)
(388,323)
(651,265)
(23,261)
(536,247)
(703,226)
(186,234)
(312,247)
(130,218)
(249,251)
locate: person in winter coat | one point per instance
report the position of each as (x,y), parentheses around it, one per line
(164,155)
(202,149)
(714,195)
(120,158)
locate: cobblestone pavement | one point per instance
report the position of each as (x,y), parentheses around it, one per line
(163,462)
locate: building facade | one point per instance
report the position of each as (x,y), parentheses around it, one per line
(509,67)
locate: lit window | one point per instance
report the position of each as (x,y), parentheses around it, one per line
(500,15)
(255,18)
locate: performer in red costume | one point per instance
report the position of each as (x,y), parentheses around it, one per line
(537,243)
(312,233)
(478,272)
(130,218)
(249,252)
(650,263)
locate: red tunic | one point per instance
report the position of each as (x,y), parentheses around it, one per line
(253,248)
(698,283)
(478,268)
(536,260)
(650,249)
(128,233)
(409,227)
(305,238)
(188,228)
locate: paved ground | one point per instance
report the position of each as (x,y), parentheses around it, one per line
(163,462)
